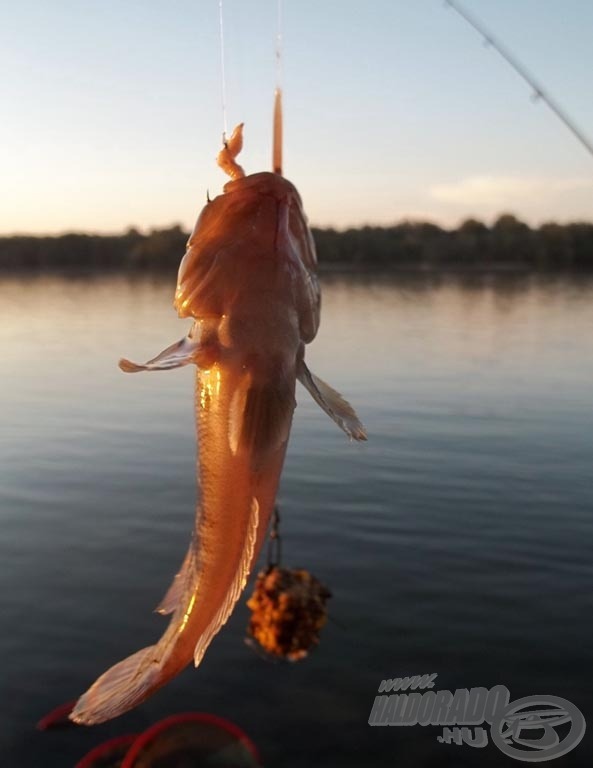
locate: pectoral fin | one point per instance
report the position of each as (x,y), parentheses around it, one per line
(183,352)
(332,403)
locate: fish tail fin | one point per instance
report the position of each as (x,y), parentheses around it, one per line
(131,681)
(237,586)
(122,687)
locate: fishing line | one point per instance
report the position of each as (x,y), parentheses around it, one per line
(222,71)
(538,92)
(279,46)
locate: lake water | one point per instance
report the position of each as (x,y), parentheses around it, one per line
(458,540)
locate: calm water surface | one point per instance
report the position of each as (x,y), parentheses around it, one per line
(458,540)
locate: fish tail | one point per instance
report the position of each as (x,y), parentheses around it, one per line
(131,681)
(122,687)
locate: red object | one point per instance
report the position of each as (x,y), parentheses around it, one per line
(150,736)
(112,750)
(58,717)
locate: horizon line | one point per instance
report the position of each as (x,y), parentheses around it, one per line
(146,231)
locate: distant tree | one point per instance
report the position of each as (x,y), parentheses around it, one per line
(161,249)
(509,243)
(512,240)
(472,242)
(581,242)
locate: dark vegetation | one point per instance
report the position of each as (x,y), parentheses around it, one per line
(508,244)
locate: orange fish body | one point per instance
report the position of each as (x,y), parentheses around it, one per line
(248,280)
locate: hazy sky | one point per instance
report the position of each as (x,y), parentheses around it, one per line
(111,110)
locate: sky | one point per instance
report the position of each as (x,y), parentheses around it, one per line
(394,109)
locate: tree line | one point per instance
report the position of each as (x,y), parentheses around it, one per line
(508,244)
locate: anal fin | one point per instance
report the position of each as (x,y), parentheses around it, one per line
(237,586)
(336,407)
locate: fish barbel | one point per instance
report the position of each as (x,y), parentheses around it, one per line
(248,281)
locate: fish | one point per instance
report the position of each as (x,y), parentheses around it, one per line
(248,282)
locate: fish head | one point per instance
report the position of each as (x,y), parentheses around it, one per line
(252,254)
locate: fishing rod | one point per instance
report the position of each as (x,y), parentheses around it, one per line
(538,91)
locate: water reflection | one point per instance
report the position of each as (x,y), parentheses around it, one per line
(457,540)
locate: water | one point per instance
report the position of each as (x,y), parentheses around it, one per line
(458,540)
